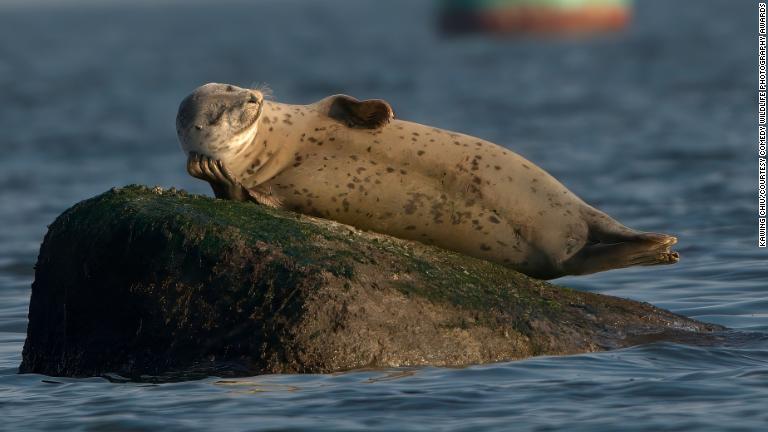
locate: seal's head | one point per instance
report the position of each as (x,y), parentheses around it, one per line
(217,120)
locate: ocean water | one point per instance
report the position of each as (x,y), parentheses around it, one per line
(656,126)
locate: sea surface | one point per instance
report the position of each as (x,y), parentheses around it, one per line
(655,125)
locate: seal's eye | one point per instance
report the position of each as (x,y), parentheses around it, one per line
(216,111)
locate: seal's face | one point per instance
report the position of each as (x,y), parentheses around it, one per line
(218,119)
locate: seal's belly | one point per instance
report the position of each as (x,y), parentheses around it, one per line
(468,197)
(406,205)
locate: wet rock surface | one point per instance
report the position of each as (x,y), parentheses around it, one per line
(145,282)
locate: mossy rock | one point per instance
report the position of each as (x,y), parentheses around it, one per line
(146,282)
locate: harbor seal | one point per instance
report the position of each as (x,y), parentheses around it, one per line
(353,162)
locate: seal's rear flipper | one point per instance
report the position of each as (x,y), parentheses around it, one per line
(643,250)
(606,230)
(367,114)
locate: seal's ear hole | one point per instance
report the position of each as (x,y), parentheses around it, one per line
(367,114)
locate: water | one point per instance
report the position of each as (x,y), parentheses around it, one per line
(655,126)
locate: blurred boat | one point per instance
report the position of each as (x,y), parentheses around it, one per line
(534,16)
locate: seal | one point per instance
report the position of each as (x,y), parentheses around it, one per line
(353,162)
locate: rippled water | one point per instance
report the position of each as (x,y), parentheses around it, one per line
(655,126)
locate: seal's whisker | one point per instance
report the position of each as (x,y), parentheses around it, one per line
(264,88)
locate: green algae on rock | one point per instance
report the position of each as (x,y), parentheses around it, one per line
(141,281)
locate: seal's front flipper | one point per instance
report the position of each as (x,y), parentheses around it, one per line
(221,180)
(367,114)
(644,250)
(264,198)
(223,183)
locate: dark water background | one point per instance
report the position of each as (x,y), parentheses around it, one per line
(656,126)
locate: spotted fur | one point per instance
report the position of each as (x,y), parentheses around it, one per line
(349,160)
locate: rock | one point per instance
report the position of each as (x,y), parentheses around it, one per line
(141,281)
